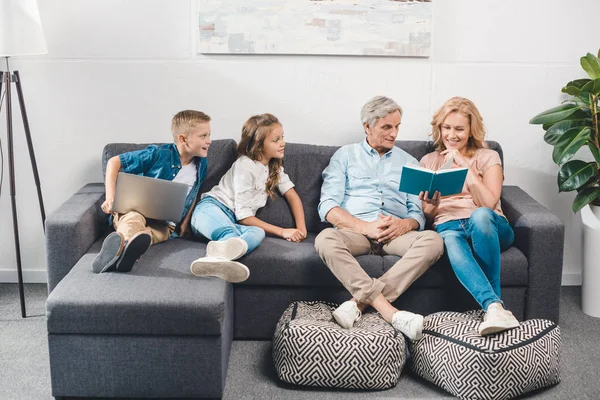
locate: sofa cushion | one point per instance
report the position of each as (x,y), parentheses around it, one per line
(158,297)
(277,262)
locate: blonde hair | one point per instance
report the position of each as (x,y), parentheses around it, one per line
(254,133)
(184,121)
(468,109)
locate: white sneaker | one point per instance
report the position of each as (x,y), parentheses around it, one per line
(229,249)
(409,324)
(497,319)
(231,271)
(347,314)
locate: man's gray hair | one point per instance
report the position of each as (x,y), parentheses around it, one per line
(378,107)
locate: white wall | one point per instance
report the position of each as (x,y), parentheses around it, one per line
(119,70)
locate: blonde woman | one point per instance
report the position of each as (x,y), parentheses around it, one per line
(226,214)
(471,223)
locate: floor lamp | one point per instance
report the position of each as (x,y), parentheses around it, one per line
(20,34)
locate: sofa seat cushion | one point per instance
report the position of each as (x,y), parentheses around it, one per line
(158,297)
(277,262)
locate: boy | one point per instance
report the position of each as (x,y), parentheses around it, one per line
(182,161)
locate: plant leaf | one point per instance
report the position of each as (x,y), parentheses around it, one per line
(591,64)
(592,87)
(574,175)
(555,131)
(574,87)
(595,152)
(586,196)
(555,114)
(569,143)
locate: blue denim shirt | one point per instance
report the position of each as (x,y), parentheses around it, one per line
(364,184)
(163,162)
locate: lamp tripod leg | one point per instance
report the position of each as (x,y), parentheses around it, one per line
(36,176)
(11,172)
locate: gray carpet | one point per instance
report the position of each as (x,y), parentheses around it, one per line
(24,371)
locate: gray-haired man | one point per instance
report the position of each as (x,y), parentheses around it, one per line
(360,198)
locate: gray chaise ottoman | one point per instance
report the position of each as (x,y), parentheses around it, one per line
(133,335)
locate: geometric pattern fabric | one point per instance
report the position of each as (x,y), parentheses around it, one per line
(452,355)
(310,348)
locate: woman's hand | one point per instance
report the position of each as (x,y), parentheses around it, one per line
(292,234)
(461,161)
(430,205)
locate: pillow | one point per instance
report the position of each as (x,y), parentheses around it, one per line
(453,355)
(310,348)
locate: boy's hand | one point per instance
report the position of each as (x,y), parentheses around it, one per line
(107,206)
(292,234)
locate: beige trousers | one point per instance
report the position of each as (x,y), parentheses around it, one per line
(133,222)
(339,247)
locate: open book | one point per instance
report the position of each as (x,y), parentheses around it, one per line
(415,179)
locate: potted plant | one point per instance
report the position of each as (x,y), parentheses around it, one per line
(569,127)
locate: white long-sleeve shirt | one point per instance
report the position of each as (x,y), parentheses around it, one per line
(242,189)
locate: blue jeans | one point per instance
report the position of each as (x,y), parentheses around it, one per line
(473,247)
(215,221)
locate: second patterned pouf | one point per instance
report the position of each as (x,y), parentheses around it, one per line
(501,366)
(310,348)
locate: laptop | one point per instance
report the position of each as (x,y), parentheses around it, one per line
(153,198)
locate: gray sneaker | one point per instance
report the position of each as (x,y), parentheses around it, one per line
(134,249)
(229,249)
(230,271)
(112,247)
(409,324)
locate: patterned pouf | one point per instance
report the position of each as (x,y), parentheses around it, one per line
(310,348)
(455,357)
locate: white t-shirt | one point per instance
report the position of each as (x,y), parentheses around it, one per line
(242,189)
(187,174)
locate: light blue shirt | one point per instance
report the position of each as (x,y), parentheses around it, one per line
(365,185)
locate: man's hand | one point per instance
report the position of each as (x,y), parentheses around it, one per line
(107,206)
(373,229)
(391,227)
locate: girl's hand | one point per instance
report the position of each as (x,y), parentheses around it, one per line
(430,205)
(292,234)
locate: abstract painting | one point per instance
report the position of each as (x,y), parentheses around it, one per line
(332,27)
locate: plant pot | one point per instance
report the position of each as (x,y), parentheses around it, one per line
(590,274)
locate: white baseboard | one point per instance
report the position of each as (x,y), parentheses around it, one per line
(571,279)
(29,276)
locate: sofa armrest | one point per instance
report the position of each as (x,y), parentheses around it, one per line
(72,229)
(539,234)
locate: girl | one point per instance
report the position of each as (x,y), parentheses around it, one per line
(471,223)
(226,214)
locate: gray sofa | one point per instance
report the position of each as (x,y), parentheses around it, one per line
(159,331)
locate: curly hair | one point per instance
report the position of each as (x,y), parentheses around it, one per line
(467,108)
(254,132)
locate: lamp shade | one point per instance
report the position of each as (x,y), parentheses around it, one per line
(21,29)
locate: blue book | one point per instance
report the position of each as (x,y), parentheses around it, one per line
(415,179)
